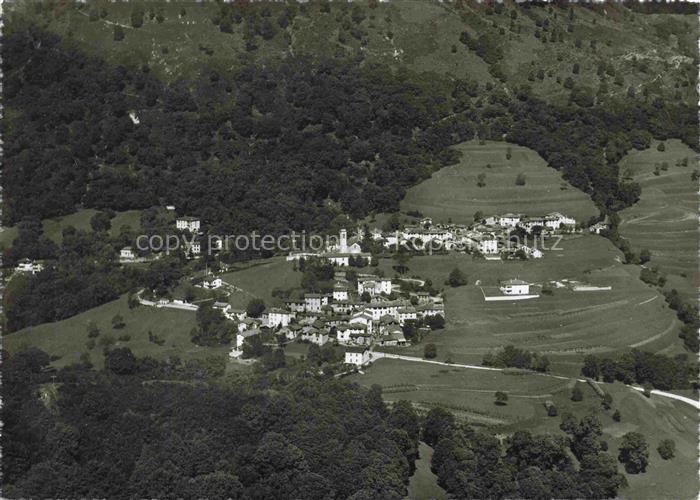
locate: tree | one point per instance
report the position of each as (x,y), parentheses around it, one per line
(607,401)
(118,322)
(118,33)
(616,416)
(100,222)
(481,180)
(576,394)
(439,424)
(120,361)
(509,153)
(456,278)
(661,147)
(520,179)
(634,452)
(92,330)
(255,308)
(644,256)
(137,16)
(501,398)
(667,449)
(435,321)
(429,351)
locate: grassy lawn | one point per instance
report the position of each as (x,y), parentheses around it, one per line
(259,279)
(453,193)
(67,338)
(665,218)
(53,228)
(423,485)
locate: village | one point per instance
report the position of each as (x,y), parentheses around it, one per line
(365,310)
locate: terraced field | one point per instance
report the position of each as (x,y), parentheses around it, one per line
(665,220)
(453,192)
(565,325)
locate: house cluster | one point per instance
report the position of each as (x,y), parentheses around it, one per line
(340,316)
(29,266)
(339,254)
(489,236)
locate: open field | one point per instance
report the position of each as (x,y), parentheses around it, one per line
(67,338)
(453,193)
(470,394)
(53,228)
(665,220)
(565,325)
(259,279)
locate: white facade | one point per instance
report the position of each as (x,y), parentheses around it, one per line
(357,358)
(374,285)
(278,317)
(509,220)
(488,246)
(313,302)
(29,266)
(339,260)
(127,253)
(515,287)
(340,293)
(191,224)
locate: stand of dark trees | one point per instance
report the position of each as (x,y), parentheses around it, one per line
(474,464)
(641,367)
(133,431)
(270,148)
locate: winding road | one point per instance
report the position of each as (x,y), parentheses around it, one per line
(383,355)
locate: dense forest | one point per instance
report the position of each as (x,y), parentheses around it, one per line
(288,145)
(143,428)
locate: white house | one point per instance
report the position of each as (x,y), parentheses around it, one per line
(338,259)
(127,253)
(509,220)
(358,356)
(373,285)
(340,292)
(242,336)
(555,220)
(598,227)
(348,331)
(278,317)
(211,283)
(224,307)
(515,287)
(195,248)
(29,266)
(313,302)
(487,244)
(190,224)
(532,252)
(407,313)
(379,309)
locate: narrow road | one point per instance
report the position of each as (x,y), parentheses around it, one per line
(383,355)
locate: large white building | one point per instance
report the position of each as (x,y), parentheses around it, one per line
(373,285)
(313,302)
(515,287)
(358,356)
(190,224)
(555,220)
(29,266)
(509,220)
(277,317)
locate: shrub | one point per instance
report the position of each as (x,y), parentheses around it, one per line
(520,179)
(501,398)
(576,394)
(430,351)
(667,449)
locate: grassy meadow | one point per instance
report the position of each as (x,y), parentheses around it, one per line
(53,228)
(665,220)
(67,338)
(453,192)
